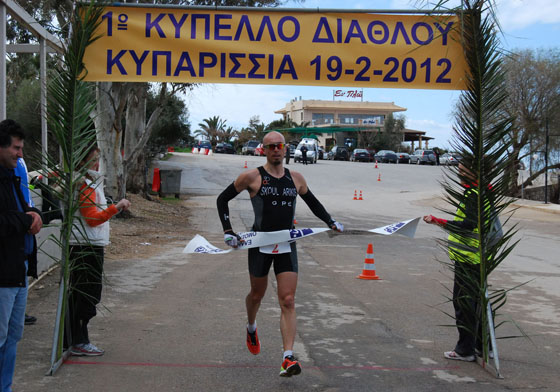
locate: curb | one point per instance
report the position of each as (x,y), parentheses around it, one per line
(549,208)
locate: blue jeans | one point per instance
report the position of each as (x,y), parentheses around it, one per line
(12,318)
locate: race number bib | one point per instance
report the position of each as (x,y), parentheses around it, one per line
(283,247)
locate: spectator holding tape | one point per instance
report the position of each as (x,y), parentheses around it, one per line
(90,236)
(463,251)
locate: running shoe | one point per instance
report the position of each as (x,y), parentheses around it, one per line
(253,343)
(30,320)
(458,357)
(86,349)
(290,367)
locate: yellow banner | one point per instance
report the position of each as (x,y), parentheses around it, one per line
(288,48)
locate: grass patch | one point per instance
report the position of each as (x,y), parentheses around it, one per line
(170,199)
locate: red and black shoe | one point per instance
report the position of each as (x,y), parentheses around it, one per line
(253,343)
(290,367)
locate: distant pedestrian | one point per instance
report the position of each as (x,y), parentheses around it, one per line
(303,154)
(287,154)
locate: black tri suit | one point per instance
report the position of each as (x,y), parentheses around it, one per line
(274,206)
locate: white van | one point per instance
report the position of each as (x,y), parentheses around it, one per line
(312,150)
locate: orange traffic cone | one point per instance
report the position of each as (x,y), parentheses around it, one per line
(379,177)
(295,221)
(368,273)
(245,167)
(376,163)
(360,197)
(355,195)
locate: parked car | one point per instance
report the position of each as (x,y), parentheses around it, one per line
(312,150)
(203,144)
(322,153)
(249,147)
(339,153)
(403,157)
(450,158)
(292,150)
(423,157)
(259,150)
(386,156)
(371,154)
(224,148)
(360,155)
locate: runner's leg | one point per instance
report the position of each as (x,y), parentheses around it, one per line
(253,299)
(287,283)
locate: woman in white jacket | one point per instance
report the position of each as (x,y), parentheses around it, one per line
(90,236)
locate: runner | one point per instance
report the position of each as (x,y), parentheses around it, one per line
(273,190)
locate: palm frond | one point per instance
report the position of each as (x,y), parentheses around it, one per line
(481,137)
(71,102)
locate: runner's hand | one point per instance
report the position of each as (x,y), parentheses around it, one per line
(337,226)
(232,239)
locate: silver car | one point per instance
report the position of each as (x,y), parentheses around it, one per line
(423,157)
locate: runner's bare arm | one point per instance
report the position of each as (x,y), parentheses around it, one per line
(249,181)
(300,182)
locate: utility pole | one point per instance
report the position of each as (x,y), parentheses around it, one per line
(546,162)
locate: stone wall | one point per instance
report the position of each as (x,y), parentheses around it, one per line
(537,193)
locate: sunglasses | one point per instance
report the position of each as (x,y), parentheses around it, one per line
(272,146)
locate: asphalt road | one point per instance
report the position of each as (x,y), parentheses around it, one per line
(176,322)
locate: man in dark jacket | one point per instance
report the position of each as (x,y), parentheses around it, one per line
(18,224)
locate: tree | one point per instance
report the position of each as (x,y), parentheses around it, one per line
(113,102)
(226,135)
(281,124)
(533,95)
(210,128)
(389,139)
(173,126)
(119,105)
(23,107)
(257,127)
(533,87)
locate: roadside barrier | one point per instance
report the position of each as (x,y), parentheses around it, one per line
(156,181)
(368,272)
(194,150)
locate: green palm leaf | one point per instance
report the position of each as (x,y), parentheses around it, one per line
(481,136)
(71,102)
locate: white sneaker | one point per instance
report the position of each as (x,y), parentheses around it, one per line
(457,357)
(86,349)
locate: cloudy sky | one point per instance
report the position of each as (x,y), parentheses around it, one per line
(525,24)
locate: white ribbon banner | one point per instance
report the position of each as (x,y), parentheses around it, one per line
(406,228)
(254,239)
